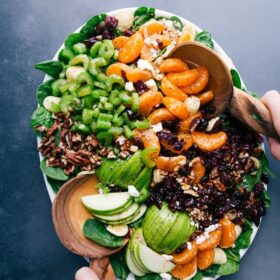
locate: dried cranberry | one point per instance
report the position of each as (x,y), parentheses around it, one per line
(173,126)
(160,43)
(258,189)
(106,35)
(138,142)
(265,178)
(111,22)
(128,33)
(184,170)
(99,29)
(140,87)
(90,42)
(131,115)
(202,125)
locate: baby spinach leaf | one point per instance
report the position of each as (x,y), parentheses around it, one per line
(244,239)
(205,38)
(73,39)
(229,267)
(140,11)
(119,266)
(55,173)
(41,117)
(150,276)
(198,276)
(97,232)
(43,91)
(265,165)
(232,264)
(55,184)
(89,27)
(266,198)
(211,271)
(52,68)
(65,55)
(141,16)
(236,78)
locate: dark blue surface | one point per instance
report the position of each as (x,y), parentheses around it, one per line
(31,31)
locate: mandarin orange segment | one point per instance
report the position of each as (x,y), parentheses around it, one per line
(173,65)
(120,41)
(176,107)
(186,145)
(170,164)
(148,100)
(160,115)
(131,50)
(132,74)
(185,124)
(151,27)
(212,242)
(200,83)
(185,256)
(206,97)
(172,91)
(182,271)
(198,170)
(182,79)
(205,258)
(149,139)
(228,233)
(209,142)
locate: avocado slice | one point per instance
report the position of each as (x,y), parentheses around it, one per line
(127,172)
(144,179)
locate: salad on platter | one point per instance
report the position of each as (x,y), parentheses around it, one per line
(188,191)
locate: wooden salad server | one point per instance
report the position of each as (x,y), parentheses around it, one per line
(69,215)
(239,103)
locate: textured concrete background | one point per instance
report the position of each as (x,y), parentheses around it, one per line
(31,31)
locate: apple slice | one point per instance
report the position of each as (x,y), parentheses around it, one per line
(107,204)
(132,265)
(142,211)
(152,260)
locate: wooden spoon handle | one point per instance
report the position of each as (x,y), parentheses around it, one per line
(102,268)
(253,113)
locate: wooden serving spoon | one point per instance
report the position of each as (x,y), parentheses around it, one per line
(240,104)
(69,216)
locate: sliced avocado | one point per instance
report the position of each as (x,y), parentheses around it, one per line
(127,172)
(144,179)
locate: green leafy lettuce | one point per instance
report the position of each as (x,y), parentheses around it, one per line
(205,38)
(119,266)
(141,16)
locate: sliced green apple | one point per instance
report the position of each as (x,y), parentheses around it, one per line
(152,260)
(142,211)
(127,215)
(107,204)
(132,265)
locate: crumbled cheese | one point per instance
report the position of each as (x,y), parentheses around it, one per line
(133,191)
(211,123)
(143,64)
(148,41)
(151,84)
(111,155)
(129,86)
(125,18)
(192,103)
(212,228)
(154,52)
(157,127)
(133,148)
(200,239)
(169,24)
(166,276)
(167,257)
(189,245)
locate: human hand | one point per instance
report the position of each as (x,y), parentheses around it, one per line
(272,100)
(85,273)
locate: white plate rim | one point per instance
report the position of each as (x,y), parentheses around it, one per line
(217,48)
